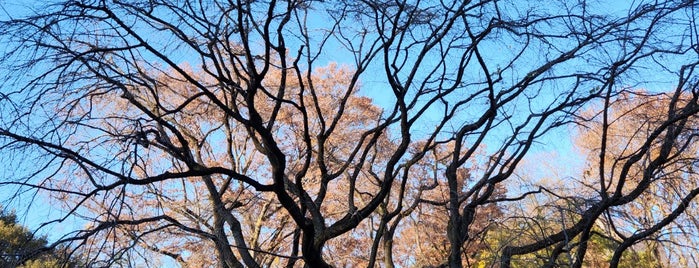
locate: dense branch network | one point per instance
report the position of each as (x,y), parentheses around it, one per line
(345,133)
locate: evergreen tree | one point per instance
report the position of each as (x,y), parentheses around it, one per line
(19,247)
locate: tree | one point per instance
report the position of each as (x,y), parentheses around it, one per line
(19,247)
(222,133)
(632,118)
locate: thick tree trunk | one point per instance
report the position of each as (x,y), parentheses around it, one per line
(312,250)
(388,251)
(226,258)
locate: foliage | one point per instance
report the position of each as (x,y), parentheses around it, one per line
(20,248)
(353,133)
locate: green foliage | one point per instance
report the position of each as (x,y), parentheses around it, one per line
(599,250)
(42,263)
(20,248)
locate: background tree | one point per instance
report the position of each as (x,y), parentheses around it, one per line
(642,185)
(19,247)
(632,117)
(222,133)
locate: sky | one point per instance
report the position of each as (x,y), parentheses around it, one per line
(557,144)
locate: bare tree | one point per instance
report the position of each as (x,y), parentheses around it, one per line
(186,129)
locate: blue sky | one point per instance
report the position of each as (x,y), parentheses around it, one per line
(556,144)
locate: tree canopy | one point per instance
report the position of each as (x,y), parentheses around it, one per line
(19,247)
(301,133)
